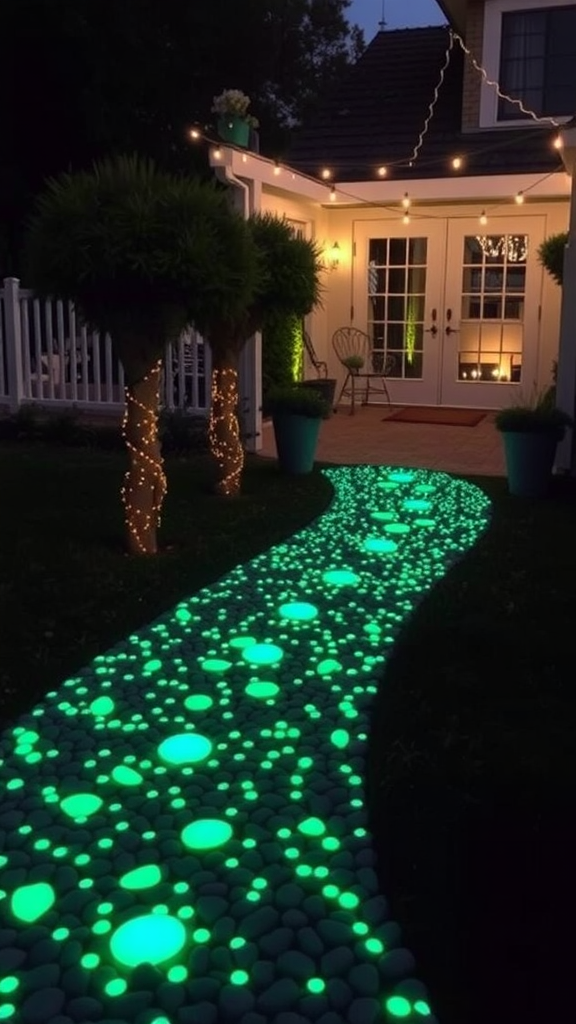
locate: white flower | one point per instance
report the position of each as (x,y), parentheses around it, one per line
(233,102)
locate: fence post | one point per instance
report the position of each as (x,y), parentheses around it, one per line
(13,342)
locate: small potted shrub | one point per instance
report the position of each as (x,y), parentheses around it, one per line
(234,121)
(531,433)
(296,416)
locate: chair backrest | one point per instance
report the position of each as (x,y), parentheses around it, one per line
(320,367)
(350,342)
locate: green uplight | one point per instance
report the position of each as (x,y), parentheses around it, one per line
(239,977)
(262,690)
(102,706)
(316,985)
(206,834)
(198,702)
(263,654)
(312,827)
(81,805)
(185,748)
(341,577)
(144,877)
(30,902)
(379,545)
(126,776)
(151,938)
(422,1007)
(340,738)
(398,1006)
(298,611)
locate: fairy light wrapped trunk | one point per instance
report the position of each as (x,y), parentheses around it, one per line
(144,487)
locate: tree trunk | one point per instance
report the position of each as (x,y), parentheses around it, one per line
(224,430)
(145,483)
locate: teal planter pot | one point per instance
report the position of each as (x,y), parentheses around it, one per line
(529,461)
(296,439)
(234,129)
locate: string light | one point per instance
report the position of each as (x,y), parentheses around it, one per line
(277,168)
(406,218)
(483,218)
(406,201)
(326,173)
(195,134)
(224,431)
(519,198)
(382,172)
(333,194)
(558,142)
(145,481)
(457,163)
(434,100)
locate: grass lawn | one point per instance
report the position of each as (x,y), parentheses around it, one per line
(471,763)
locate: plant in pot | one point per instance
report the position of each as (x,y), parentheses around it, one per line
(296,417)
(531,433)
(234,121)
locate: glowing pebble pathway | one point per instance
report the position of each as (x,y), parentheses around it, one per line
(170,812)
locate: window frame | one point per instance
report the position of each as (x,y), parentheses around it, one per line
(491,47)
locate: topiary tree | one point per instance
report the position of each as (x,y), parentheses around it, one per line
(551,255)
(139,252)
(288,284)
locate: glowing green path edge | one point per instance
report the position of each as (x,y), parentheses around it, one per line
(182,825)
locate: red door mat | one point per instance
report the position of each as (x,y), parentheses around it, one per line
(440,415)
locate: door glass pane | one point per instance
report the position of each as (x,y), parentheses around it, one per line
(396,324)
(491,327)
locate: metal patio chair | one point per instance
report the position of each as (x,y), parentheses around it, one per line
(319,365)
(364,365)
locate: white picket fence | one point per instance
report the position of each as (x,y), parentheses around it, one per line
(48,357)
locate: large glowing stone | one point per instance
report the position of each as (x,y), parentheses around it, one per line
(29,902)
(216,665)
(340,577)
(380,545)
(153,665)
(144,877)
(397,528)
(340,738)
(328,666)
(126,776)
(263,654)
(150,939)
(206,834)
(262,690)
(185,748)
(417,505)
(383,517)
(198,702)
(312,827)
(102,706)
(401,477)
(242,641)
(298,611)
(398,1006)
(81,805)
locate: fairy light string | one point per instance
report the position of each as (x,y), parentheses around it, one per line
(433,102)
(146,472)
(224,430)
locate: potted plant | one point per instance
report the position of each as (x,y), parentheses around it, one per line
(531,433)
(296,416)
(234,121)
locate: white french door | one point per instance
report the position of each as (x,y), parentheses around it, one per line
(452,307)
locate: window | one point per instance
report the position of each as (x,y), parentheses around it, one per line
(529,48)
(396,296)
(538,62)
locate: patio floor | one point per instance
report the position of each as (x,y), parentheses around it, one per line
(369,437)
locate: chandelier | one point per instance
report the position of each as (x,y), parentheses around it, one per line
(513,248)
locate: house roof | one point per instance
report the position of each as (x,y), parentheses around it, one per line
(376,115)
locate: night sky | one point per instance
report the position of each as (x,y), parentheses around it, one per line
(398,14)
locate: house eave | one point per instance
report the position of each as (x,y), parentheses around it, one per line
(455,12)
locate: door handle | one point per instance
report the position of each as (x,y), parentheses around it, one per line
(433,330)
(449,329)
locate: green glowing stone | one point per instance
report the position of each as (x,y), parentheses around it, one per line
(429,523)
(416,505)
(348,901)
(242,641)
(328,666)
(185,748)
(397,528)
(151,938)
(81,805)
(126,776)
(421,1007)
(28,736)
(102,706)
(206,834)
(262,654)
(239,977)
(316,985)
(153,665)
(312,827)
(398,1006)
(90,961)
(183,615)
(143,877)
(7,1010)
(401,477)
(29,902)
(116,987)
(8,984)
(298,611)
(380,545)
(340,738)
(201,935)
(262,690)
(383,517)
(217,665)
(177,975)
(198,702)
(374,946)
(340,577)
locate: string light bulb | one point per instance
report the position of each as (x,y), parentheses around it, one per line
(277,167)
(326,173)
(406,201)
(519,198)
(558,142)
(406,218)
(195,134)
(145,482)
(333,194)
(457,163)
(382,171)
(483,218)
(217,153)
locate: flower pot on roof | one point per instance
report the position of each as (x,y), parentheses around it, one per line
(531,434)
(296,416)
(234,121)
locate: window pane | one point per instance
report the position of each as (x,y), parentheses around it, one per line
(396,308)
(537,57)
(397,252)
(378,250)
(413,365)
(417,251)
(397,282)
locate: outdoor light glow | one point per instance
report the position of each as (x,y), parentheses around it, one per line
(201,780)
(150,939)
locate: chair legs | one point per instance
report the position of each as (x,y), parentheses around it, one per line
(345,390)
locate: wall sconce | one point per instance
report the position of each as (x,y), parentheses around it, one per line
(334,255)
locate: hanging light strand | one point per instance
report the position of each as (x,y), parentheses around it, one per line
(434,100)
